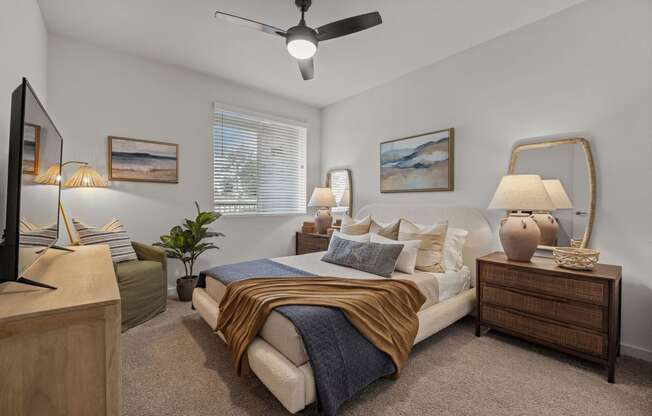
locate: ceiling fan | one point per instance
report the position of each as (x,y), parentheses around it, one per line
(302,40)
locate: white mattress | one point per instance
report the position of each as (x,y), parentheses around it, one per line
(281,333)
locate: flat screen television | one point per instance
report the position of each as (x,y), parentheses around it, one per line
(32,215)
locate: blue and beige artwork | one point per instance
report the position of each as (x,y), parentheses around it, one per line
(415,164)
(139,160)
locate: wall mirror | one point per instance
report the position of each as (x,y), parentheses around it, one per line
(339,181)
(567,169)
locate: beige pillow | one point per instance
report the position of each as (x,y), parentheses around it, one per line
(385,230)
(355,227)
(432,239)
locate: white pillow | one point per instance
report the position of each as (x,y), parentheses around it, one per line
(453,245)
(407,260)
(362,238)
(355,227)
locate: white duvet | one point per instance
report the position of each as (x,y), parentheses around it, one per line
(279,332)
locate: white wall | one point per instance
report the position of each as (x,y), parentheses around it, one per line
(23,53)
(94,92)
(583,72)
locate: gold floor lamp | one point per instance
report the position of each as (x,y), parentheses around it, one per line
(84,177)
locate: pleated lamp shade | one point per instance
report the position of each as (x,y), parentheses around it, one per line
(86,177)
(52,176)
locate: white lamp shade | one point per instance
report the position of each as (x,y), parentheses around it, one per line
(557,194)
(521,192)
(345,201)
(322,197)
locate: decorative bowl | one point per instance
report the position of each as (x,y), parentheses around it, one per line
(576,258)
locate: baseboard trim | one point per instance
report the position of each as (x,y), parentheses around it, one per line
(172,291)
(636,352)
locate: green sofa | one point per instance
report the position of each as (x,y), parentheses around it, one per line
(143,285)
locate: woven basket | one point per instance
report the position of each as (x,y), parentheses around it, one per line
(576,258)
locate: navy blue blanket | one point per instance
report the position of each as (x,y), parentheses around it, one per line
(343,361)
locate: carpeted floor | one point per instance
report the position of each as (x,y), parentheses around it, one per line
(174,365)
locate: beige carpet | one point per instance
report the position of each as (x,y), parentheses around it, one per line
(174,365)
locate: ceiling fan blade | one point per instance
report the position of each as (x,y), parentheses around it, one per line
(307,68)
(252,24)
(347,26)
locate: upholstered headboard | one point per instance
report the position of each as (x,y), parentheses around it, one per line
(479,242)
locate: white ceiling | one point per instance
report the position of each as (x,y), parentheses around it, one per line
(414,33)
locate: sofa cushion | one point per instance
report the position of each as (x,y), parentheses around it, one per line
(143,289)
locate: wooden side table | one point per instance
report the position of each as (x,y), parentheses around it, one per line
(311,242)
(576,312)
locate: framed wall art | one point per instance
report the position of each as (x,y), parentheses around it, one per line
(421,163)
(143,160)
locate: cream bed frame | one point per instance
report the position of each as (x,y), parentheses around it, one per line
(294,386)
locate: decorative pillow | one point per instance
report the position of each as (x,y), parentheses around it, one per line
(407,260)
(373,258)
(113,234)
(385,230)
(355,227)
(432,239)
(362,238)
(32,235)
(455,239)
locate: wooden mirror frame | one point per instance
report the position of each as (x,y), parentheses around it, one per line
(328,185)
(586,146)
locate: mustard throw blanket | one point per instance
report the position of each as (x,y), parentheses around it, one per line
(383,311)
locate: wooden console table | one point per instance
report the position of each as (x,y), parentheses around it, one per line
(60,349)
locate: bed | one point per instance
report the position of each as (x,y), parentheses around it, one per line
(278,357)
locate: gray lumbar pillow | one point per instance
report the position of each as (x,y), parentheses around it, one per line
(373,258)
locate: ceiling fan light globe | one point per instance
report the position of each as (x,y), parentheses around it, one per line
(301,48)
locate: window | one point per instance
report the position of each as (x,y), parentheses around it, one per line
(258,164)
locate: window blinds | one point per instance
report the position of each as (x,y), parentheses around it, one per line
(258,165)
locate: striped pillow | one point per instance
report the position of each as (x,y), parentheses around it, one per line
(34,236)
(113,234)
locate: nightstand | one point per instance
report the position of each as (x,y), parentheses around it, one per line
(311,242)
(576,312)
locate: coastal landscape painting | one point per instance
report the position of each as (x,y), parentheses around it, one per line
(421,163)
(31,144)
(143,160)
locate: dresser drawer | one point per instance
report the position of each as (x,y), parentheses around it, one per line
(308,243)
(575,339)
(591,291)
(587,316)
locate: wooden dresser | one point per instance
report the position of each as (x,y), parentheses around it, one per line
(60,349)
(577,312)
(311,242)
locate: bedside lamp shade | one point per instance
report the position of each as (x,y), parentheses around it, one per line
(322,197)
(521,193)
(557,194)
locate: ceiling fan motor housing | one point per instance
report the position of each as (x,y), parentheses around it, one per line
(301,32)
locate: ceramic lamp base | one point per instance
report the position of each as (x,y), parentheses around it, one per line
(519,235)
(323,220)
(548,227)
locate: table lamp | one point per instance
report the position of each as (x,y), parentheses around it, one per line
(548,225)
(84,177)
(323,199)
(519,234)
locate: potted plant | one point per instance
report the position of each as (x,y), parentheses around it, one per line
(186,243)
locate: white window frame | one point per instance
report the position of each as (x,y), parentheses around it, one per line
(218,106)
